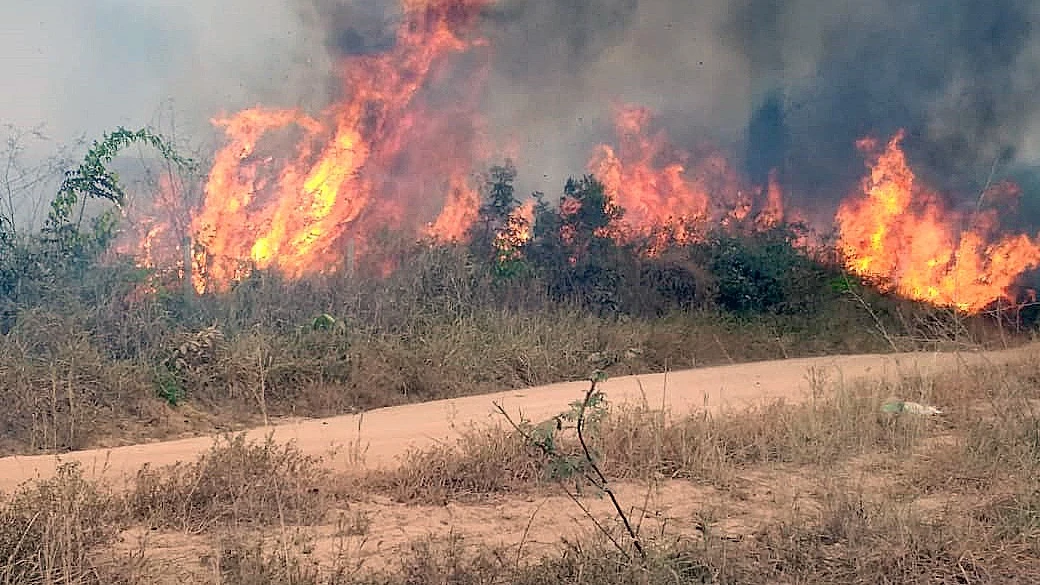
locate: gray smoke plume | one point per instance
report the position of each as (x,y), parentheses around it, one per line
(791,84)
(778,84)
(80,68)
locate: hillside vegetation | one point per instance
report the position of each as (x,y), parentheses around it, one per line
(97,350)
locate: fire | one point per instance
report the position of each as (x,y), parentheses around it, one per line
(304,192)
(660,186)
(362,164)
(460,211)
(516,233)
(155,232)
(651,195)
(773,212)
(899,232)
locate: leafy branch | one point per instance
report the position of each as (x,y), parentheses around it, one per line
(584,412)
(93,179)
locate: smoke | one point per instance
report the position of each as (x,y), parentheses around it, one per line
(788,84)
(958,77)
(354,28)
(81,68)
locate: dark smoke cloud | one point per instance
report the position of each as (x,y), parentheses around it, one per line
(958,76)
(354,28)
(552,41)
(791,84)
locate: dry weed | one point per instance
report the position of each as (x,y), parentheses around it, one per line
(236,483)
(50,530)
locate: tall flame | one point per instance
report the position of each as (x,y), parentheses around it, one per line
(660,186)
(899,231)
(350,164)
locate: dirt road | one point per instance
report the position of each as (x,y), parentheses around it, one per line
(380,436)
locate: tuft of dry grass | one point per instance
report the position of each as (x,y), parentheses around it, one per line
(50,529)
(859,538)
(483,461)
(61,391)
(245,561)
(638,442)
(457,561)
(236,483)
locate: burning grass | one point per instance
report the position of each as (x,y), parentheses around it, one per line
(92,348)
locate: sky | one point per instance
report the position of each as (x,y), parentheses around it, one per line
(80,67)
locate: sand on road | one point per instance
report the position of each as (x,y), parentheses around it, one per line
(381,436)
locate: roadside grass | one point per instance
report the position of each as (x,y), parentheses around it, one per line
(639,442)
(886,498)
(102,362)
(50,529)
(235,483)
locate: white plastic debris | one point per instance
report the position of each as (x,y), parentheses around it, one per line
(901,406)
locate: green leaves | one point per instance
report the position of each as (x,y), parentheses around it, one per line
(583,416)
(94,180)
(498,235)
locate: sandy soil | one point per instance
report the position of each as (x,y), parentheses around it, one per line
(377,438)
(528,526)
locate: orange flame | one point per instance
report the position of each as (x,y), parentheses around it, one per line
(651,195)
(460,212)
(663,187)
(509,242)
(155,232)
(898,231)
(293,214)
(297,192)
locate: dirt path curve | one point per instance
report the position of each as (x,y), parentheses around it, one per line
(380,436)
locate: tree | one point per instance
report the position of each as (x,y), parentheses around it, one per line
(574,246)
(498,237)
(31,261)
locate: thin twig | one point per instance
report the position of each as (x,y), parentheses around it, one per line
(527,531)
(596,478)
(603,485)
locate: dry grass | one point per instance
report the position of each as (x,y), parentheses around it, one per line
(895,498)
(881,498)
(50,529)
(103,363)
(484,461)
(235,483)
(457,561)
(62,392)
(638,443)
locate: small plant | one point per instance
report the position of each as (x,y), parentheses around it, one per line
(193,352)
(326,322)
(588,411)
(169,387)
